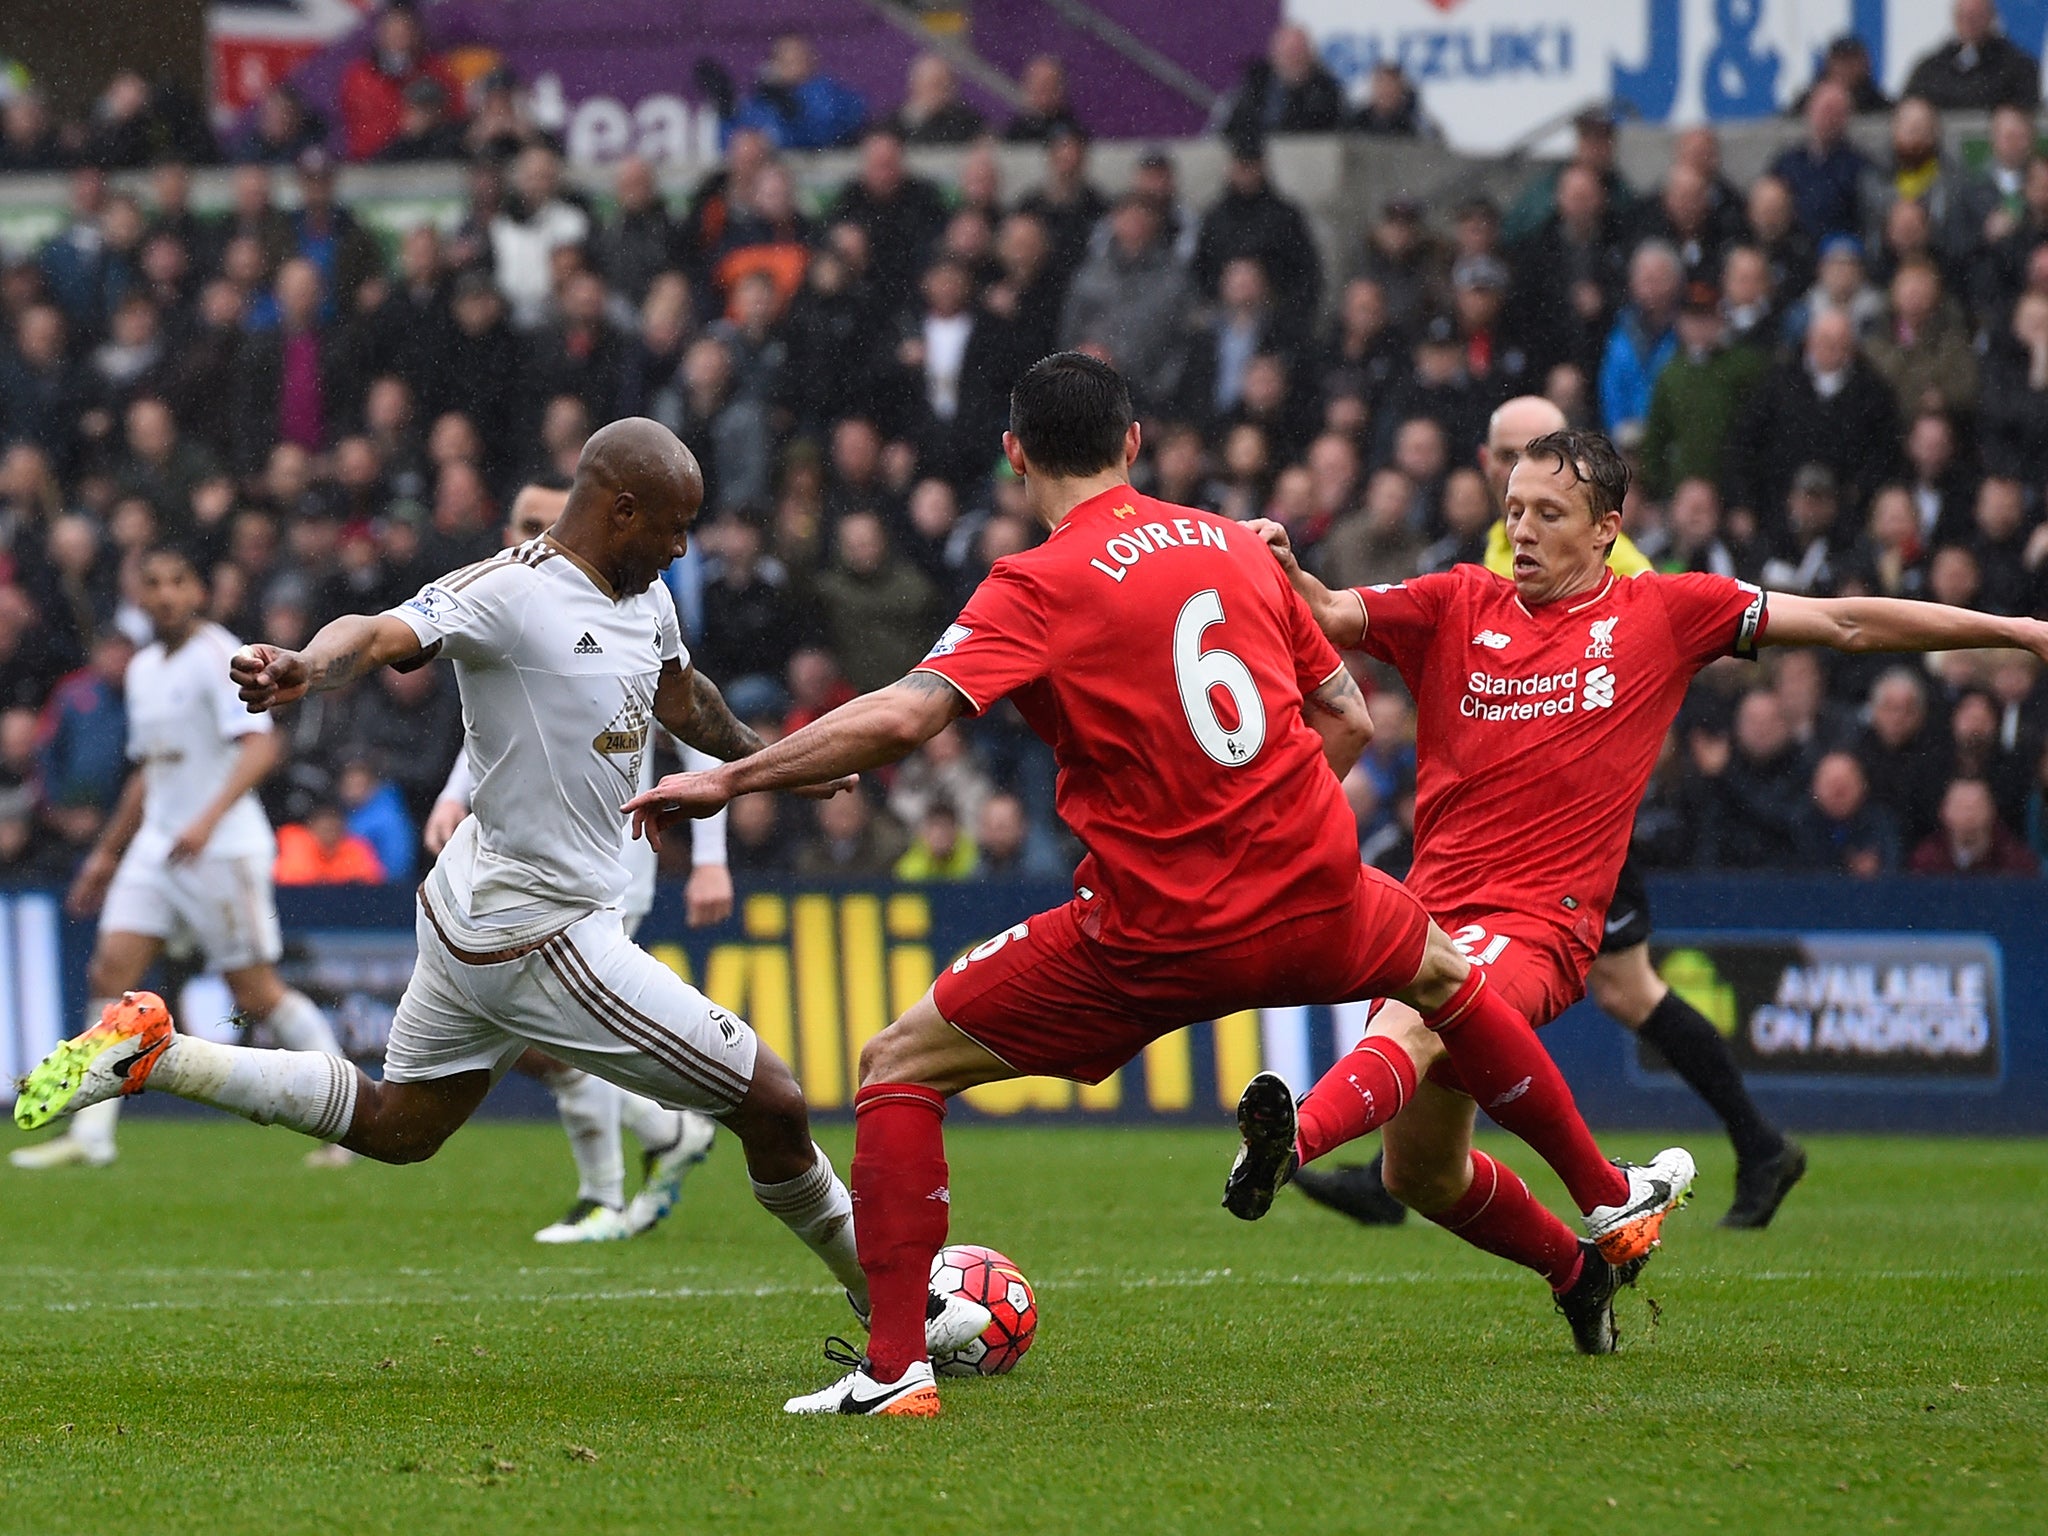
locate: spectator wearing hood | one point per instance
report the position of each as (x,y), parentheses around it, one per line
(372,92)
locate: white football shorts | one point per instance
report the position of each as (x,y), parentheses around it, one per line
(224,905)
(588,995)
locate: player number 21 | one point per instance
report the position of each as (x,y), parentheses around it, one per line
(1198,673)
(1471,942)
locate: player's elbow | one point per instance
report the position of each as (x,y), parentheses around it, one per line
(1348,738)
(903,727)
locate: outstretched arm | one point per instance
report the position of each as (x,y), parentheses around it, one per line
(1339,615)
(1895,624)
(1337,713)
(876,728)
(351,647)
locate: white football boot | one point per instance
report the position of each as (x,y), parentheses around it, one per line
(588,1221)
(64,1151)
(1630,1230)
(665,1171)
(913,1395)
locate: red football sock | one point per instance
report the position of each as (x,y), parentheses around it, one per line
(900,1205)
(1361,1093)
(1505,1067)
(1497,1213)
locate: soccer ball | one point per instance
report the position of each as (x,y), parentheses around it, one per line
(995,1285)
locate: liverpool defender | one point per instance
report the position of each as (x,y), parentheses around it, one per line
(1196,715)
(565,648)
(1541,703)
(1621,980)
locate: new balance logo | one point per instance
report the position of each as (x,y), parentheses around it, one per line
(1599,692)
(1601,631)
(588,646)
(1512,1094)
(1492,639)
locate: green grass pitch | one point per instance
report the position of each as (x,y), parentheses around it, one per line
(209,1338)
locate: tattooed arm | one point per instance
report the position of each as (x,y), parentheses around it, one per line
(349,648)
(689,704)
(866,732)
(1336,712)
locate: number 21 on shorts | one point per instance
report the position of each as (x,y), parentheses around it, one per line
(1199,673)
(1471,942)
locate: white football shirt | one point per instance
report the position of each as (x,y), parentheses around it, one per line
(185,728)
(558,678)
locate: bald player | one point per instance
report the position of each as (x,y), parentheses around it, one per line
(1622,981)
(566,647)
(594,1113)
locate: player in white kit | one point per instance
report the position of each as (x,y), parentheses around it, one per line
(593,1111)
(567,649)
(187,853)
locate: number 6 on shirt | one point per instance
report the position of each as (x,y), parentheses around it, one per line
(1196,672)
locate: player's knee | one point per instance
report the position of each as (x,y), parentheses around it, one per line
(1420,1184)
(1628,991)
(880,1057)
(1442,972)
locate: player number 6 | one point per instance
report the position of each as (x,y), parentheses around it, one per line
(1196,672)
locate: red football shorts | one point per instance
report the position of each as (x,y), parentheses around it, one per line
(1049,1001)
(1529,963)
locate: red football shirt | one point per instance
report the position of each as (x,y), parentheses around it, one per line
(1537,729)
(1161,654)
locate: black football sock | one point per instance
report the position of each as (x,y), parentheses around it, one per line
(1699,1055)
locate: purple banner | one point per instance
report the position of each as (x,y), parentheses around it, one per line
(615,76)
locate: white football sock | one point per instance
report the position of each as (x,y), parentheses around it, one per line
(655,1128)
(306,1091)
(589,1107)
(817,1208)
(297,1024)
(93,1126)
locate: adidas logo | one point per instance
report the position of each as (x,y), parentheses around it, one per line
(588,646)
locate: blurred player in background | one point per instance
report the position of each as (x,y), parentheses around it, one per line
(593,1111)
(1621,980)
(187,854)
(1541,705)
(1201,725)
(565,648)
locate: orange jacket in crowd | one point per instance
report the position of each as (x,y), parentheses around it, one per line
(302,861)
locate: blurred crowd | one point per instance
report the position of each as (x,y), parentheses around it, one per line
(1833,380)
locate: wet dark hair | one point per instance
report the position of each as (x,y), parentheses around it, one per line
(1071,412)
(1594,462)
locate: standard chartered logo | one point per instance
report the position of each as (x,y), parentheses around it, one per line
(1599,689)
